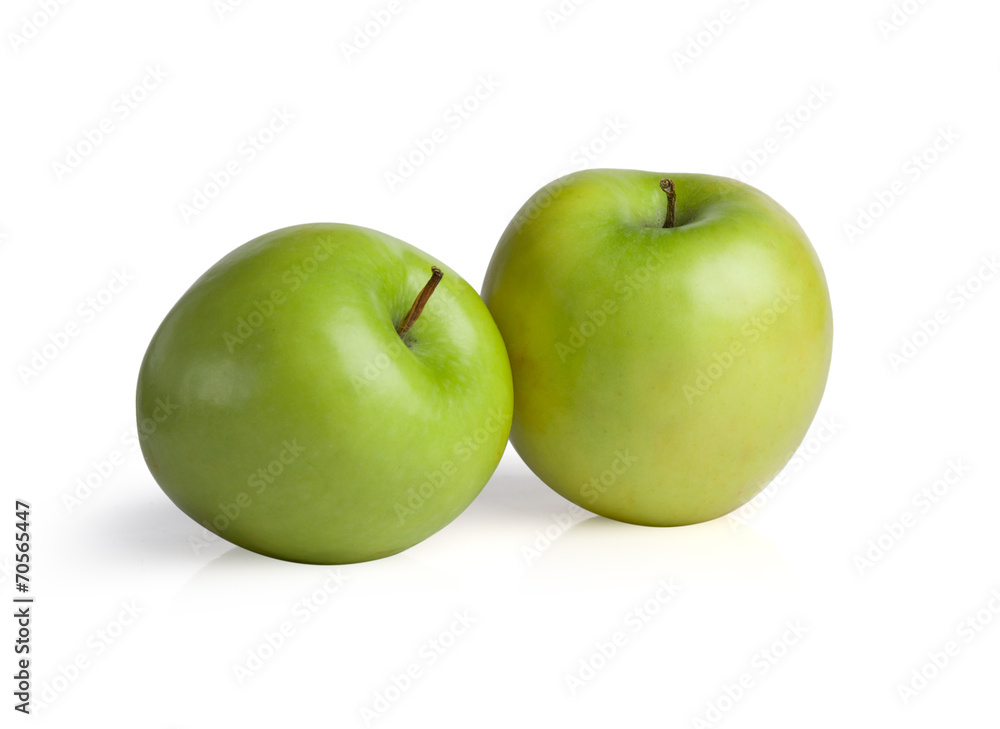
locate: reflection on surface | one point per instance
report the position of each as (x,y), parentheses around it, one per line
(598,550)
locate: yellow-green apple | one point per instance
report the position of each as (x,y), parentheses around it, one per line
(669,335)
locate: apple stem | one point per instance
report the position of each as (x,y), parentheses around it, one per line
(667,185)
(420,302)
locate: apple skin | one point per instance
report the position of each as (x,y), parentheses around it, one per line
(311,432)
(662,377)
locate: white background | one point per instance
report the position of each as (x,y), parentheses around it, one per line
(860,544)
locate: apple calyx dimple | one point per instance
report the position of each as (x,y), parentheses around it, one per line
(419,302)
(667,185)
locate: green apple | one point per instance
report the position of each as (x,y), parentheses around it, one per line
(314,397)
(670,338)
